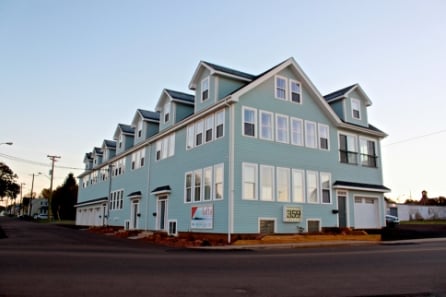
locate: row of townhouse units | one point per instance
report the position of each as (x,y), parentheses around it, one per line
(243,154)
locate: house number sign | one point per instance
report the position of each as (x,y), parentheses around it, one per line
(292,214)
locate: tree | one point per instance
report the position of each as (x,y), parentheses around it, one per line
(64,198)
(8,185)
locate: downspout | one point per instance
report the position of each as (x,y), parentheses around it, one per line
(149,149)
(230,171)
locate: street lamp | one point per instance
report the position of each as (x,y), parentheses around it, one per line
(7,143)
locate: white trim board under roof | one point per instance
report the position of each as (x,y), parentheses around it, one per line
(124,129)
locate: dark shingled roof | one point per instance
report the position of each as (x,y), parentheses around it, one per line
(161,189)
(98,151)
(361,185)
(180,96)
(110,143)
(149,115)
(127,129)
(134,194)
(230,71)
(338,93)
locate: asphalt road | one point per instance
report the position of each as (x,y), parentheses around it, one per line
(47,260)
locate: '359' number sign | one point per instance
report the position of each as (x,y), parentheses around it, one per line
(292,214)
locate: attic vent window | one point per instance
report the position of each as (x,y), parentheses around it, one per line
(204,89)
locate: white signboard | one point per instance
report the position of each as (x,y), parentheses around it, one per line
(292,214)
(202,217)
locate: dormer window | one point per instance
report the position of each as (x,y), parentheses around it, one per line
(166,112)
(205,89)
(121,139)
(356,109)
(295,88)
(139,128)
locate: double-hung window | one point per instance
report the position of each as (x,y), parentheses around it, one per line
(188,186)
(266,125)
(197,185)
(166,111)
(219,123)
(266,183)
(348,152)
(283,184)
(209,126)
(324,137)
(297,178)
(295,91)
(190,136)
(281,87)
(356,108)
(297,132)
(249,121)
(205,89)
(367,149)
(312,187)
(207,180)
(199,133)
(249,173)
(218,182)
(310,134)
(325,187)
(281,128)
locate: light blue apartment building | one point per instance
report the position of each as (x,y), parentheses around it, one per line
(241,154)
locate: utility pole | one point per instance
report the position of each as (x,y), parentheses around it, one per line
(53,160)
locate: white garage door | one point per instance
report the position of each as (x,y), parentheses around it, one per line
(366,213)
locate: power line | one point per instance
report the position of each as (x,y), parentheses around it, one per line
(416,137)
(17,159)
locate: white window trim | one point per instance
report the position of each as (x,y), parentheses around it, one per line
(273,181)
(176,227)
(216,123)
(190,136)
(316,174)
(209,120)
(287,135)
(211,183)
(302,174)
(291,91)
(354,101)
(200,171)
(167,112)
(266,219)
(329,188)
(289,184)
(307,144)
(302,138)
(319,127)
(202,89)
(191,173)
(360,153)
(285,87)
(313,219)
(214,188)
(255,121)
(256,183)
(261,112)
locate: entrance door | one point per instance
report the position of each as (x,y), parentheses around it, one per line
(134,215)
(162,213)
(342,207)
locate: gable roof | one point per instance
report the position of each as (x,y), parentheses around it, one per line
(124,129)
(261,78)
(221,70)
(110,144)
(145,115)
(97,151)
(174,96)
(343,93)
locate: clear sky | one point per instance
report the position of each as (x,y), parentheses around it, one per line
(70,71)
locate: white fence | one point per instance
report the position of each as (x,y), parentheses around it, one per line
(418,212)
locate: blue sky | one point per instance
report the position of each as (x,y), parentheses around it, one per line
(70,71)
